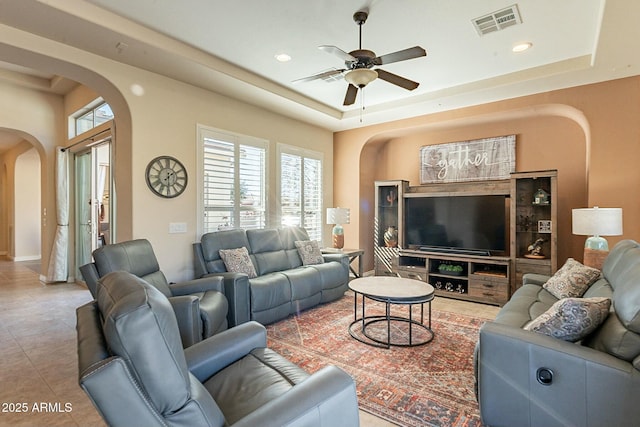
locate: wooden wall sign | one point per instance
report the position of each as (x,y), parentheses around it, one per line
(475,160)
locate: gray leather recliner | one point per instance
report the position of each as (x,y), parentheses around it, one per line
(133,367)
(200,305)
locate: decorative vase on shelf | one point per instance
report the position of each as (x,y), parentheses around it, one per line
(391,237)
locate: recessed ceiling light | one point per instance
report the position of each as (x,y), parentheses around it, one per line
(521,47)
(283,57)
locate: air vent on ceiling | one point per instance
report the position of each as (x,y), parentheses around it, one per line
(498,20)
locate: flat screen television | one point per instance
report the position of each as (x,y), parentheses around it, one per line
(462,224)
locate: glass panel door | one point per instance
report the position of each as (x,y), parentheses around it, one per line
(83,212)
(93,207)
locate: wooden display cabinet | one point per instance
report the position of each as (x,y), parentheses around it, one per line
(389,196)
(534,218)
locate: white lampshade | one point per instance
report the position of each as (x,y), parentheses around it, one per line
(597,221)
(360,77)
(338,216)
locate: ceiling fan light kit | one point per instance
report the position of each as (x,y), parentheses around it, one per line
(359,64)
(360,77)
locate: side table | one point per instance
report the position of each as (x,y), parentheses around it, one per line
(352,254)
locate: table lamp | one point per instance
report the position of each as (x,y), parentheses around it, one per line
(337,216)
(596,222)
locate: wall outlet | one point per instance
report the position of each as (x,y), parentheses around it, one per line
(177,227)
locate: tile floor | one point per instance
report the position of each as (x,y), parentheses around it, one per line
(38,365)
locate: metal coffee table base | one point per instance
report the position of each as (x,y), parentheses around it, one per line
(365,321)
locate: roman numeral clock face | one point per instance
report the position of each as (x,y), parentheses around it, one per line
(166,176)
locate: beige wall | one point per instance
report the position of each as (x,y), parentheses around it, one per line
(163,121)
(590,134)
(27,206)
(37,118)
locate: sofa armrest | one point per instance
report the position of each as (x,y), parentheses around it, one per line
(326,398)
(203,284)
(534,279)
(236,289)
(90,276)
(211,355)
(187,310)
(199,265)
(341,258)
(585,387)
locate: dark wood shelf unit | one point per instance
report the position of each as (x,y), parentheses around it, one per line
(526,214)
(482,279)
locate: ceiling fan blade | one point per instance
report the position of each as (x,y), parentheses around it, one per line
(350,97)
(397,80)
(318,76)
(401,55)
(338,52)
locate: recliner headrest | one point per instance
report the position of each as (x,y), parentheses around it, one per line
(140,326)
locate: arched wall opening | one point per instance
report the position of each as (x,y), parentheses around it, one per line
(21,197)
(51,131)
(547,137)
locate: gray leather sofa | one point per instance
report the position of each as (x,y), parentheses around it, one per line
(200,305)
(529,379)
(133,367)
(283,285)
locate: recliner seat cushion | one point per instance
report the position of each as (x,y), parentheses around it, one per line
(269,291)
(252,382)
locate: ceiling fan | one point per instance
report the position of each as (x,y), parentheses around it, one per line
(359,64)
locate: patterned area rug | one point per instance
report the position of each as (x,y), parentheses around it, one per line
(430,385)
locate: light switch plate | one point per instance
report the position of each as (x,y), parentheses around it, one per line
(177,227)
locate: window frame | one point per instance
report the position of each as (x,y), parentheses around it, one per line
(92,107)
(237,140)
(303,154)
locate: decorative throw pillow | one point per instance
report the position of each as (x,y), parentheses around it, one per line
(572,319)
(309,252)
(572,280)
(238,261)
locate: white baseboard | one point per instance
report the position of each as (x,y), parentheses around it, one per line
(27,258)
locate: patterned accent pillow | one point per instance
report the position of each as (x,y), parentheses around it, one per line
(572,280)
(238,261)
(572,319)
(309,252)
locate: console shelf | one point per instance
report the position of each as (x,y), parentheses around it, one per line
(477,278)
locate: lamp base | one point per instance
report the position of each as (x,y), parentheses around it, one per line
(597,243)
(594,257)
(337,235)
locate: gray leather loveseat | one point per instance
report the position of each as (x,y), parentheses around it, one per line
(133,367)
(527,378)
(283,284)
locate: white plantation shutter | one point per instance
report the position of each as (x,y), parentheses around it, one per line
(301,189)
(234,181)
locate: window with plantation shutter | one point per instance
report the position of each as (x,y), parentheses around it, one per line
(234,181)
(301,189)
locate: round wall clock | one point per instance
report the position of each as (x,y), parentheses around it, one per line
(166,176)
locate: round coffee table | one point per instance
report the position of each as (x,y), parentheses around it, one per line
(390,291)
